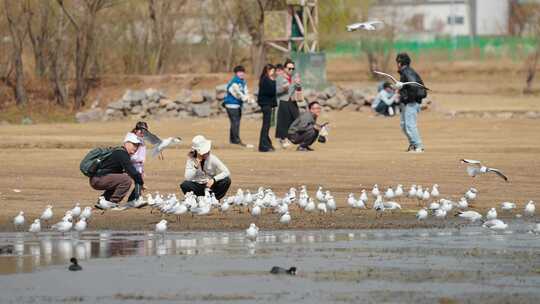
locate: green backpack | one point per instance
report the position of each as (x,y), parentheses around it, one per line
(91,163)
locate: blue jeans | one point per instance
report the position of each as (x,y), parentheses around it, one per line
(409,113)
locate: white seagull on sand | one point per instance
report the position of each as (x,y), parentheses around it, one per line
(470,215)
(285,218)
(476,168)
(47,214)
(508,206)
(530,208)
(18,220)
(491,214)
(422,214)
(399,84)
(495,224)
(159,144)
(367,26)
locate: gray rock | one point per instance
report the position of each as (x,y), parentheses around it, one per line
(117,105)
(221,88)
(172,106)
(136,110)
(330,91)
(183,97)
(154,95)
(134,96)
(197,97)
(208,96)
(337,102)
(321,96)
(202,110)
(95,114)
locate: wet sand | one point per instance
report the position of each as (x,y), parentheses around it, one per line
(469,265)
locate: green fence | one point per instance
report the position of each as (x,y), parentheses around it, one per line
(460,47)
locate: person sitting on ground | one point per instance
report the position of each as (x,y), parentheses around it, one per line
(237,94)
(205,170)
(305,130)
(116,172)
(385,101)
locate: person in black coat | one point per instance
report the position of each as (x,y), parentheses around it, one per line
(267,101)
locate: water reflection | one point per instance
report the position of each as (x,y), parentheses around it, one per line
(31,252)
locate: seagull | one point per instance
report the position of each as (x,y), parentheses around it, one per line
(321,207)
(530,208)
(389,194)
(104,204)
(285,218)
(492,214)
(399,191)
(252,232)
(47,214)
(35,227)
(426,195)
(310,207)
(391,205)
(86,213)
(159,144)
(422,214)
(399,84)
(463,204)
(161,227)
(18,220)
(351,201)
(476,168)
(471,194)
(364,196)
(440,213)
(331,204)
(63,226)
(80,226)
(76,211)
(367,26)
(319,195)
(472,216)
(508,206)
(435,191)
(495,224)
(375,191)
(412,191)
(256,211)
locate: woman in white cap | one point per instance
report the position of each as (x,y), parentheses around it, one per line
(205,170)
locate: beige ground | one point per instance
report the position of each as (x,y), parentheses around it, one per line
(42,161)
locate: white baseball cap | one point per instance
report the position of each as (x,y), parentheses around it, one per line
(132,138)
(201,144)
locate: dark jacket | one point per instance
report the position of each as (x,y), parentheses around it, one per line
(120,162)
(267,92)
(305,122)
(410,93)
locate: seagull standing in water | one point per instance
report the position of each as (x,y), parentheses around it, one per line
(399,84)
(159,144)
(35,227)
(47,214)
(252,232)
(472,216)
(422,214)
(476,168)
(161,227)
(530,208)
(18,220)
(80,226)
(495,224)
(491,214)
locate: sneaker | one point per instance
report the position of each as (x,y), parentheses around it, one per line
(304,149)
(284,143)
(410,148)
(418,150)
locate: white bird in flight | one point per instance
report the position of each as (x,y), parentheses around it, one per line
(399,84)
(476,168)
(367,26)
(159,144)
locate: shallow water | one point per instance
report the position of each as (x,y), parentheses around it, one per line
(384,266)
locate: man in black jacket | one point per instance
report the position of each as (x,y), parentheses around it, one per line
(116,172)
(410,99)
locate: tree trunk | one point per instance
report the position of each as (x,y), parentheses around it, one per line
(40,40)
(531,70)
(58,66)
(17,36)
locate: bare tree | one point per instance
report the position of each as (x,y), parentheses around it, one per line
(532,60)
(84,26)
(58,63)
(38,32)
(16,17)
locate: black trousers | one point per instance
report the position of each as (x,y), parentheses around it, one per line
(304,139)
(135,193)
(235,115)
(265,143)
(287,113)
(219,188)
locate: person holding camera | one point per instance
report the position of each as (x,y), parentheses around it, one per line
(205,170)
(305,130)
(287,87)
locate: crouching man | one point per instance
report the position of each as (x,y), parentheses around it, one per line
(304,131)
(116,172)
(205,170)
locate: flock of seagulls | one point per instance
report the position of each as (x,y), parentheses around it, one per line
(63,226)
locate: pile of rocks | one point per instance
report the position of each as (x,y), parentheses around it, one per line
(154,104)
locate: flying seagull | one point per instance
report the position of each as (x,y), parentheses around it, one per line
(476,168)
(159,144)
(368,26)
(400,84)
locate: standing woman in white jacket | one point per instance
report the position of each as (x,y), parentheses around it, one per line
(205,170)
